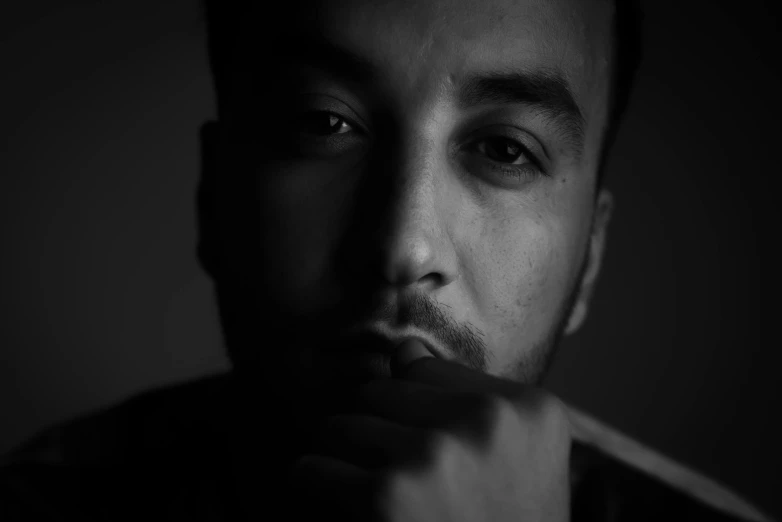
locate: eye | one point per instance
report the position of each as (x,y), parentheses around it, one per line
(323,123)
(503,150)
(506,158)
(320,134)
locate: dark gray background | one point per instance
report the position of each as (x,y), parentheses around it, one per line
(101,296)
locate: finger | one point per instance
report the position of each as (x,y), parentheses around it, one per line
(411,364)
(324,484)
(406,353)
(436,410)
(368,442)
(410,403)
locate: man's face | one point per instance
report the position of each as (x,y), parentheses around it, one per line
(409,168)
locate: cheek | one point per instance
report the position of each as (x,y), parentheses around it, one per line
(301,215)
(527,279)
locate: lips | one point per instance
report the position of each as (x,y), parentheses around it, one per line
(362,355)
(378,338)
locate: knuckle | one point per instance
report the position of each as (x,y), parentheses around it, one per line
(390,490)
(491,409)
(431,449)
(428,447)
(436,443)
(484,416)
(538,403)
(478,403)
(550,414)
(553,409)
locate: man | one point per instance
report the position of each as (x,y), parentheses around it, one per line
(402,212)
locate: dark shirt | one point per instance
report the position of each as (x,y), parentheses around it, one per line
(167,454)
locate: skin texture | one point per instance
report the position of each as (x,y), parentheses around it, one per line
(400,222)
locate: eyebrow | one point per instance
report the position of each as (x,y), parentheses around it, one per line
(318,51)
(544,90)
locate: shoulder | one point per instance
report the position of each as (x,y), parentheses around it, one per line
(639,483)
(145,422)
(89,465)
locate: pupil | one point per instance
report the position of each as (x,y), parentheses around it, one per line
(503,150)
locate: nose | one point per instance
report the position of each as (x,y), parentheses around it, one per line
(414,242)
(411,245)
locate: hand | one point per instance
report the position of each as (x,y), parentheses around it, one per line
(441,442)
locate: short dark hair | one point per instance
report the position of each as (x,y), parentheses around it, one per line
(222,18)
(627,48)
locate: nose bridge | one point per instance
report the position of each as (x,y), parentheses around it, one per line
(414,243)
(415,179)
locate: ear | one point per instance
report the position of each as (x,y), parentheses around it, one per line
(597,240)
(207,249)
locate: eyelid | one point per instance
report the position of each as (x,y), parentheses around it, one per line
(336,106)
(530,146)
(522,128)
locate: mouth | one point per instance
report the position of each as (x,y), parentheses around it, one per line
(365,353)
(354,358)
(379,339)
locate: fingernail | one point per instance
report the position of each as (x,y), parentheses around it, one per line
(408,351)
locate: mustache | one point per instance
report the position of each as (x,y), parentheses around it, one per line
(418,312)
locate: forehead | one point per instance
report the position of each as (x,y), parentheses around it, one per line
(455,34)
(423,46)
(430,40)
